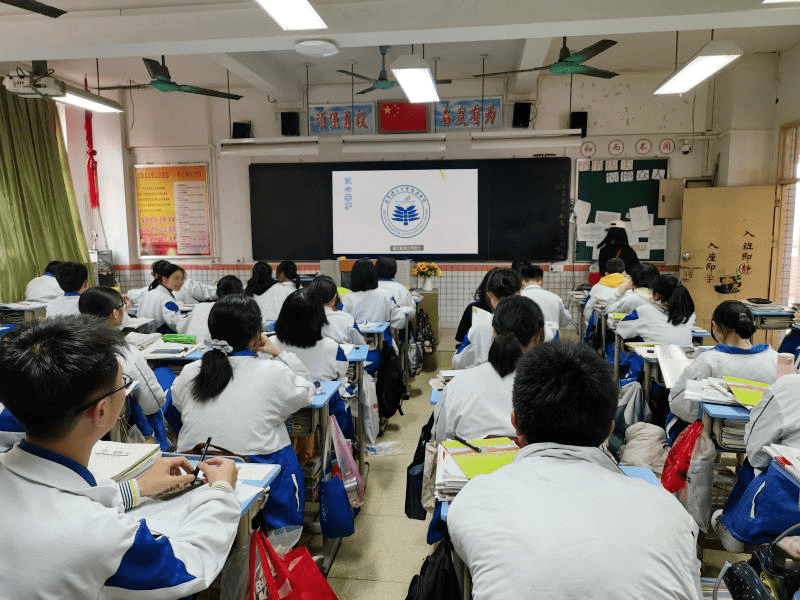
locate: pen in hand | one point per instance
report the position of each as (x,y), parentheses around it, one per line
(202,458)
(461,440)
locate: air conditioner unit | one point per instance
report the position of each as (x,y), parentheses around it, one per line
(28,86)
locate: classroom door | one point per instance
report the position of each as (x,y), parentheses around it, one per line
(726,245)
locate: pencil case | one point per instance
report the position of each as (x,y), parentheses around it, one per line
(179,338)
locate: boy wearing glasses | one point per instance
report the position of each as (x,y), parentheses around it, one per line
(66,535)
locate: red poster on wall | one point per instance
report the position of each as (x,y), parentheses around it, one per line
(402,117)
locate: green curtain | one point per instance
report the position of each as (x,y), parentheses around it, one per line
(39,219)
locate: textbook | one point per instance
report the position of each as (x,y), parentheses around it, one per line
(457,464)
(747,392)
(120,461)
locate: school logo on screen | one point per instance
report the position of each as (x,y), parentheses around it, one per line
(405,211)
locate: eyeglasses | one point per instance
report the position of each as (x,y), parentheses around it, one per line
(127,381)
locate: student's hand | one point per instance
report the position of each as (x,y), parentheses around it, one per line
(166,474)
(219,469)
(264,344)
(791,545)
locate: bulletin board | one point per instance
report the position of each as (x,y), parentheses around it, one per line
(172,210)
(620,189)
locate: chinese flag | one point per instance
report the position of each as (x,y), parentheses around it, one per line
(402,117)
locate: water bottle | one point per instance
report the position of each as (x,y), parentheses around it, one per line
(785,365)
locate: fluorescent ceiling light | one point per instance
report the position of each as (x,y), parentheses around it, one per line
(88,101)
(293,14)
(712,57)
(415,77)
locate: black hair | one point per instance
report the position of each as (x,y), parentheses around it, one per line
(52,266)
(675,297)
(261,280)
(644,275)
(301,319)
(288,269)
(735,316)
(235,319)
(157,267)
(530,272)
(163,269)
(325,287)
(364,276)
(71,276)
(230,284)
(615,265)
(50,370)
(99,301)
(386,266)
(480,292)
(503,283)
(615,236)
(516,321)
(564,393)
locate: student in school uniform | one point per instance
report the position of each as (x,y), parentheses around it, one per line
(194,292)
(604,292)
(477,401)
(261,279)
(367,301)
(66,534)
(242,401)
(732,328)
(563,521)
(667,320)
(637,290)
(555,315)
(160,304)
(270,301)
(386,266)
(197,320)
(134,296)
(479,301)
(72,278)
(615,245)
(44,287)
(474,349)
(341,325)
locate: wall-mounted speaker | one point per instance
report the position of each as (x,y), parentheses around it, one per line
(290,123)
(578,120)
(241,129)
(522,114)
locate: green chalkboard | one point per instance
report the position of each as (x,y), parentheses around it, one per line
(617,186)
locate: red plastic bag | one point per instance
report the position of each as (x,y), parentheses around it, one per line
(295,577)
(679,458)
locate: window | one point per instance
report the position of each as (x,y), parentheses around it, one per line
(789,176)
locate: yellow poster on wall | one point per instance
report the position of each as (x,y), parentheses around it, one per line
(172,210)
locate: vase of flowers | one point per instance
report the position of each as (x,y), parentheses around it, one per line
(425,272)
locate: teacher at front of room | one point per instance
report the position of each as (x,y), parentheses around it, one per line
(615,245)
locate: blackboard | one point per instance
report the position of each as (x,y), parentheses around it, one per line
(604,185)
(523,207)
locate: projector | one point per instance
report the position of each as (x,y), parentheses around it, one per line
(33,87)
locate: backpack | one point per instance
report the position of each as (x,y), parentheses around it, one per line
(425,334)
(414,474)
(390,386)
(437,577)
(414,357)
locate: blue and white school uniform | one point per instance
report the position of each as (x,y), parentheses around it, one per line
(66,535)
(248,418)
(64,305)
(160,305)
(196,322)
(552,306)
(374,305)
(400,295)
(474,348)
(271,301)
(149,394)
(341,327)
(475,403)
(11,430)
(43,288)
(192,292)
(757,363)
(632,300)
(651,323)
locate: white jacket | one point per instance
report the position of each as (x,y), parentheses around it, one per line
(475,403)
(774,420)
(135,296)
(192,292)
(564,522)
(196,322)
(552,306)
(632,300)
(43,288)
(374,305)
(758,363)
(248,416)
(148,394)
(325,360)
(11,430)
(600,296)
(271,301)
(341,327)
(650,322)
(474,348)
(64,536)
(160,305)
(400,295)
(64,305)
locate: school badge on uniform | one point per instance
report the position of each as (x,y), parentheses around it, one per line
(405,211)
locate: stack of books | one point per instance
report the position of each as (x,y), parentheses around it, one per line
(730,434)
(120,461)
(142,340)
(776,317)
(457,463)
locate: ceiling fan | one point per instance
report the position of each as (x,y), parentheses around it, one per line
(161,80)
(382,82)
(570,63)
(37,7)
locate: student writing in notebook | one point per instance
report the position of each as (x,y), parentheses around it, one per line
(66,535)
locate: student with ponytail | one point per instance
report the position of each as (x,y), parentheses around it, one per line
(668,319)
(732,328)
(272,299)
(159,302)
(242,401)
(474,348)
(477,401)
(261,280)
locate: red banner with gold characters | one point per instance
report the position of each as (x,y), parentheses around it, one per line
(173,210)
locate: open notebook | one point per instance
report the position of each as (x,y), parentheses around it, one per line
(120,461)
